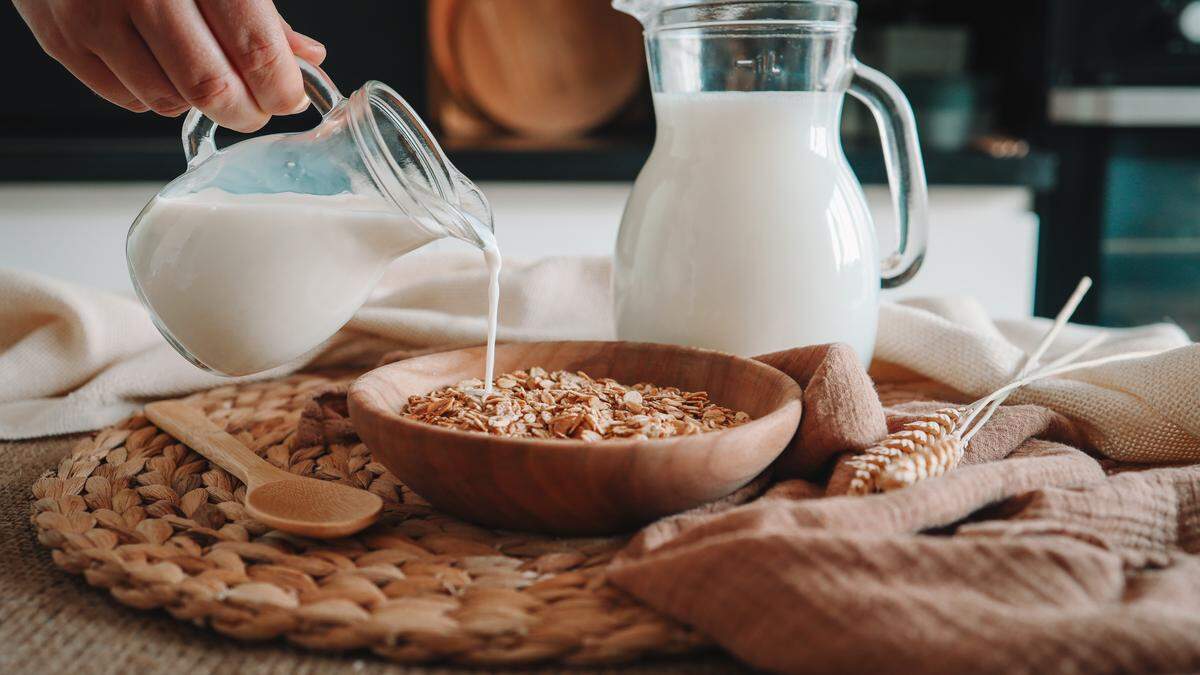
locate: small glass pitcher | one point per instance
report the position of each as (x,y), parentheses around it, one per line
(261,251)
(746,230)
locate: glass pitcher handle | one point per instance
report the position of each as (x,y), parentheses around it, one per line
(199,130)
(905,170)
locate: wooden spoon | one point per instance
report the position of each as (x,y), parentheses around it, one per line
(274,497)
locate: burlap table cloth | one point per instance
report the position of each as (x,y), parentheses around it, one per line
(1029,558)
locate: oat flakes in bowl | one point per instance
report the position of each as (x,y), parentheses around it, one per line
(536,403)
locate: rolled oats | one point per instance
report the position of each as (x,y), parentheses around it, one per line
(535,403)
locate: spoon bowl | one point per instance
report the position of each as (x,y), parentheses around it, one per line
(315,508)
(575,486)
(287,502)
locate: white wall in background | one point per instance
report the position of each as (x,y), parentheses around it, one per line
(74,231)
(546,219)
(983,240)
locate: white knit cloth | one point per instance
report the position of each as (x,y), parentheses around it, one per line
(74,359)
(1141,410)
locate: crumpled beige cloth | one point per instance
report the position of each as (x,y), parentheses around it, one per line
(1073,572)
(1028,558)
(74,359)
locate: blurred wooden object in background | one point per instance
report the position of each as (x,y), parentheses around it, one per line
(537,68)
(448,99)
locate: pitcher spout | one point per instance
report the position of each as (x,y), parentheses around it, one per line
(474,223)
(406,164)
(476,230)
(642,10)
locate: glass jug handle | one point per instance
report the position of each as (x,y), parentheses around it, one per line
(905,169)
(199,130)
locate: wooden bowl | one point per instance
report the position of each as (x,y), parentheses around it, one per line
(569,486)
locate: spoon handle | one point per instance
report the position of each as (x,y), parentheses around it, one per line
(193,427)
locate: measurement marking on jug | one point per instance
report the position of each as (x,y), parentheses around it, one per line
(768,63)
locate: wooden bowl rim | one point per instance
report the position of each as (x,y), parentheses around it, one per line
(792,392)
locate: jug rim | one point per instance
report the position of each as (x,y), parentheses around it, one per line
(382,98)
(809,15)
(390,173)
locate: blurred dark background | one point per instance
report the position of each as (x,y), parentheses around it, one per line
(1094,106)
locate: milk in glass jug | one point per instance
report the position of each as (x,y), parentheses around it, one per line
(746,230)
(260,252)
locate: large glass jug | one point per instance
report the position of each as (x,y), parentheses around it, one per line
(261,251)
(747,231)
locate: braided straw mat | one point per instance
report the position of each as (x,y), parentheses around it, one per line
(147,518)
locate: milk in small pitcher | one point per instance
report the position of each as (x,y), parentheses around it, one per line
(247,282)
(261,251)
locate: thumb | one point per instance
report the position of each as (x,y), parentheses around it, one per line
(303,46)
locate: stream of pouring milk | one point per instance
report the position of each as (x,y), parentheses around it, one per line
(491,255)
(245,283)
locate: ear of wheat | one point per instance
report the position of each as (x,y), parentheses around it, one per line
(926,446)
(933,444)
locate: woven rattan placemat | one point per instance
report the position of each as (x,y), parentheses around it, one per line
(137,513)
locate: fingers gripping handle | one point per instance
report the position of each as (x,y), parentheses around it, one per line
(199,129)
(905,169)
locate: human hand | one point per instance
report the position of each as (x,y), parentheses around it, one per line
(232,59)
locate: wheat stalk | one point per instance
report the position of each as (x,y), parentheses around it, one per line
(933,444)
(926,444)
